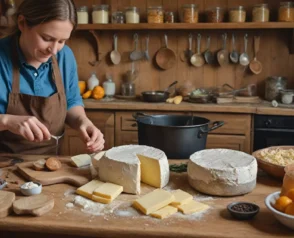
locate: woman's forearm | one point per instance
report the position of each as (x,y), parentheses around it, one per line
(75,116)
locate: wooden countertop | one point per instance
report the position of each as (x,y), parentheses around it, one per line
(261,108)
(216,222)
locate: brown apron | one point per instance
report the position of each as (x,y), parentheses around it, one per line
(51,111)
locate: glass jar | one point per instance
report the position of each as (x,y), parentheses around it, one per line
(82,14)
(260,13)
(237,14)
(189,13)
(155,14)
(109,87)
(118,18)
(169,17)
(128,89)
(215,15)
(288,180)
(132,15)
(100,14)
(286,12)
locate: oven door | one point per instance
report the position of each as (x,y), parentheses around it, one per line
(272,137)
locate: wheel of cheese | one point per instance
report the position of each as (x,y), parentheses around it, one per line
(128,165)
(222,172)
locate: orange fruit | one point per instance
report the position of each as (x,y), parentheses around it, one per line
(290,194)
(290,209)
(282,202)
(87,94)
(98,92)
(82,86)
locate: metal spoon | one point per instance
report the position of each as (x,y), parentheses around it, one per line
(187,54)
(208,55)
(223,54)
(115,55)
(244,58)
(197,59)
(147,49)
(234,56)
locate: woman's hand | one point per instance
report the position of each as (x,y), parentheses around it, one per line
(27,126)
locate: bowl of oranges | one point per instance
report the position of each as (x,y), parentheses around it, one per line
(282,207)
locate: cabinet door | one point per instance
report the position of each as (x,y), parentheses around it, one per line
(104,121)
(233,142)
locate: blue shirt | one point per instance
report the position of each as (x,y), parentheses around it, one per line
(38,82)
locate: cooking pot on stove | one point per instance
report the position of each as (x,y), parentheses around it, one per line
(178,136)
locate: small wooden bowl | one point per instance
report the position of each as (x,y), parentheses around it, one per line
(274,170)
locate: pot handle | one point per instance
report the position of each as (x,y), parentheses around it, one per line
(138,114)
(215,125)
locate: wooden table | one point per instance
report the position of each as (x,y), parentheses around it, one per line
(216,222)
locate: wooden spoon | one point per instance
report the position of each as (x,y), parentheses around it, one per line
(255,65)
(197,59)
(115,55)
(223,54)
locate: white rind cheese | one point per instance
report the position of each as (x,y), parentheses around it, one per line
(121,165)
(222,172)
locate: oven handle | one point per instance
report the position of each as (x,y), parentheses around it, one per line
(274,130)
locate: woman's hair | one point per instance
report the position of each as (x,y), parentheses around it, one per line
(37,12)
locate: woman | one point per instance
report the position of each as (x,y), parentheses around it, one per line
(39,81)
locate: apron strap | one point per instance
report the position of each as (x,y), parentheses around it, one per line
(56,75)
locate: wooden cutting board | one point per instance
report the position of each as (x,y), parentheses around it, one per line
(6,201)
(36,205)
(67,174)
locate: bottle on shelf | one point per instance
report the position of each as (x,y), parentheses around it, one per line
(92,82)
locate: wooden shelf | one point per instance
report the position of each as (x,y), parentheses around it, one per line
(188,26)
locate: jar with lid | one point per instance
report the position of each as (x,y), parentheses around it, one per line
(286,12)
(128,89)
(215,15)
(260,13)
(82,14)
(155,14)
(237,14)
(169,17)
(132,15)
(118,18)
(189,13)
(100,14)
(109,87)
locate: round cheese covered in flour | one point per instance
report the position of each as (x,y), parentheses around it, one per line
(128,165)
(222,172)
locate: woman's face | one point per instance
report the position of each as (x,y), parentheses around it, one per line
(40,42)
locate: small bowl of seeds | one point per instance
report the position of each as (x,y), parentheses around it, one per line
(243,210)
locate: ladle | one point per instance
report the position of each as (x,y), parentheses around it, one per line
(135,54)
(244,58)
(197,59)
(115,55)
(223,55)
(234,56)
(255,65)
(208,55)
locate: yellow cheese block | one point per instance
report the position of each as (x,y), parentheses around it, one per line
(164,212)
(101,199)
(192,206)
(88,189)
(181,197)
(108,190)
(153,201)
(150,171)
(81,160)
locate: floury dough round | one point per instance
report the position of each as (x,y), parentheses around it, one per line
(222,172)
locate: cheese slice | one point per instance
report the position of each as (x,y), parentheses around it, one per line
(164,212)
(181,197)
(101,199)
(96,158)
(81,160)
(192,207)
(124,165)
(153,201)
(108,190)
(222,172)
(88,189)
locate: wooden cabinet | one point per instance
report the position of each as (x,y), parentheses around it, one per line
(73,145)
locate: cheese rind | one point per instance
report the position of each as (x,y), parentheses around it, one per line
(108,190)
(88,189)
(192,207)
(222,172)
(81,160)
(164,212)
(121,165)
(101,199)
(153,201)
(181,197)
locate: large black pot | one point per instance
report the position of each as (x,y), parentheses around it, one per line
(178,136)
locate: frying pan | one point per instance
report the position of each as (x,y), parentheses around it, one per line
(165,57)
(157,96)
